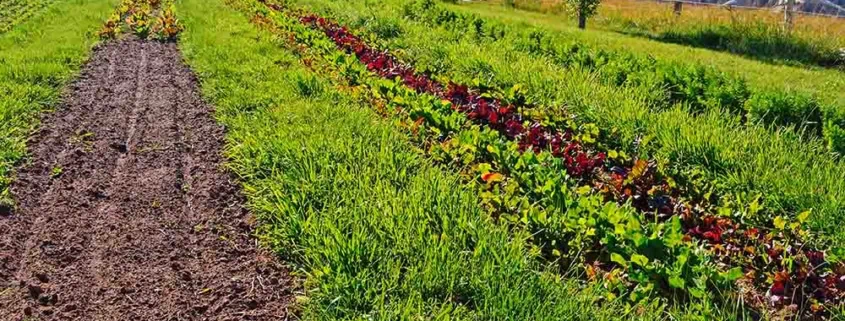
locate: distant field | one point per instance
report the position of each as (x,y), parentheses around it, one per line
(827,84)
(754,33)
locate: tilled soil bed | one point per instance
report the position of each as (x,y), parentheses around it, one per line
(124,211)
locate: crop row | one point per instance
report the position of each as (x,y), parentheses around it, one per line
(15,11)
(708,152)
(375,229)
(700,88)
(144,18)
(506,132)
(446,125)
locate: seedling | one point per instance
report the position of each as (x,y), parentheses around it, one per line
(56,171)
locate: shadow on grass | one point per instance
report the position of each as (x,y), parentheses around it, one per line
(758,41)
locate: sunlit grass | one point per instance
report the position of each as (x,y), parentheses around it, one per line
(824,83)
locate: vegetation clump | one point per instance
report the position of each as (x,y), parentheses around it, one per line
(153,19)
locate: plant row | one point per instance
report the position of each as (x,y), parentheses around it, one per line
(502,128)
(699,87)
(707,153)
(452,139)
(376,231)
(15,11)
(153,19)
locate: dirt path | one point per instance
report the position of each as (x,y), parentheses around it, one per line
(124,212)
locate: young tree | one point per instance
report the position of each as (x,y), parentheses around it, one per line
(582,9)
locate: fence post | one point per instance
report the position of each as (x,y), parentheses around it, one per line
(678,6)
(787,15)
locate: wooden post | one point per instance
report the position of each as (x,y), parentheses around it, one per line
(787,14)
(678,6)
(582,19)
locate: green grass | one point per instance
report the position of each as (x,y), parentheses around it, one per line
(14,12)
(827,84)
(741,162)
(38,57)
(754,34)
(375,230)
(666,82)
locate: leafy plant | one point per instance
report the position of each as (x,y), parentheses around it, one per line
(144,18)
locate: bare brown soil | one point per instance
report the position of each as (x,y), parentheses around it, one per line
(124,211)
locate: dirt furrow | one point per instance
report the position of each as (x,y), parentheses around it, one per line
(125,212)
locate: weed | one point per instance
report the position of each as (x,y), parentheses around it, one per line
(56,171)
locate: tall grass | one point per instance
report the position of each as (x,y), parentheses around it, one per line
(37,58)
(757,34)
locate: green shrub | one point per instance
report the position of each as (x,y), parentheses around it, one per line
(834,130)
(834,136)
(785,109)
(386,28)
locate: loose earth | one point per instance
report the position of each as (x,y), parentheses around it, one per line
(125,211)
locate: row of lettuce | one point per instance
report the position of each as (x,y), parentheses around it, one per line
(588,206)
(697,86)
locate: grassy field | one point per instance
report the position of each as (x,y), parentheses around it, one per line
(756,34)
(38,58)
(824,83)
(376,230)
(423,160)
(293,188)
(727,155)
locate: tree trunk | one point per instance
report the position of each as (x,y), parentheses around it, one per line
(582,19)
(678,6)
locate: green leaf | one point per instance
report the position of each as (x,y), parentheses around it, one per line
(484,168)
(804,216)
(640,260)
(583,190)
(754,207)
(615,257)
(732,274)
(493,150)
(677,282)
(779,222)
(399,100)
